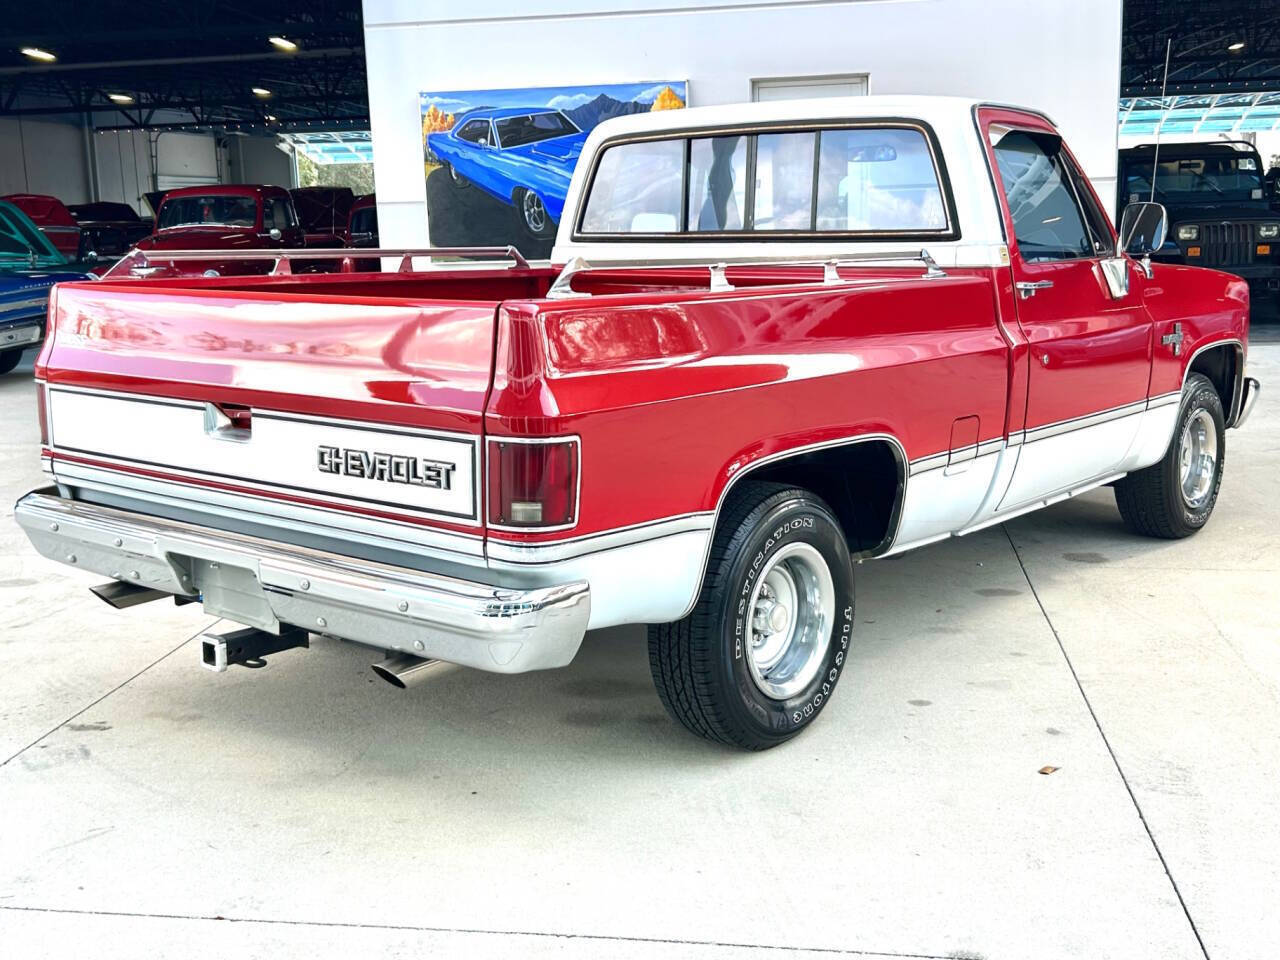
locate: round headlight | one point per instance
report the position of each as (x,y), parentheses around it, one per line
(1188,232)
(1268,231)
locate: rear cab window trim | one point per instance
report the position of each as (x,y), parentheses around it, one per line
(951,231)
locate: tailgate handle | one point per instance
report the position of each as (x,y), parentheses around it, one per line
(226,421)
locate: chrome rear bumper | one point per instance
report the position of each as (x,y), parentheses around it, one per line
(265,584)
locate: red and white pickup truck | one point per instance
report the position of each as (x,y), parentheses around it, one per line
(779,338)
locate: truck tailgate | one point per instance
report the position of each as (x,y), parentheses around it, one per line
(365,404)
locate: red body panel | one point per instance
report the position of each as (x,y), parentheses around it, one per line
(53,218)
(686,390)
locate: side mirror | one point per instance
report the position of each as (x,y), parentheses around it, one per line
(1143,228)
(274,233)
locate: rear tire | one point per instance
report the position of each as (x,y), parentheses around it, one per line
(759,656)
(1173,499)
(9,360)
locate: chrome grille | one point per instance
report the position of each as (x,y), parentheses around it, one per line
(1226,244)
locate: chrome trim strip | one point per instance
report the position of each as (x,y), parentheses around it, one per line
(904,474)
(992,446)
(1088,420)
(935,461)
(500,629)
(269,510)
(502,553)
(1163,400)
(1236,387)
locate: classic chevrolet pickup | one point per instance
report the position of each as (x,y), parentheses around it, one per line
(781,338)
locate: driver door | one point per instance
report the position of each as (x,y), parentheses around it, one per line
(1089,351)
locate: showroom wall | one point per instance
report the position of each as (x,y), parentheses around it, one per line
(1060,57)
(49,156)
(41,156)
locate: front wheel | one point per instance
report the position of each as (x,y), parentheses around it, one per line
(456,180)
(1174,498)
(759,656)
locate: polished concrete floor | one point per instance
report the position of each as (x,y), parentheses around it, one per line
(149,808)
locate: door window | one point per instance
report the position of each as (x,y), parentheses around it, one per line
(1047,222)
(475,131)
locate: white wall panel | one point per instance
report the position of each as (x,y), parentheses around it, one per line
(40,156)
(1062,56)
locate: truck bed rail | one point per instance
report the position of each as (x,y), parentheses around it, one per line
(142,263)
(718,279)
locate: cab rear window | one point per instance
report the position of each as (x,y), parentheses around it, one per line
(872,180)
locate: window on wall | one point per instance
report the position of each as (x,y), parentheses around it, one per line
(832,180)
(801,88)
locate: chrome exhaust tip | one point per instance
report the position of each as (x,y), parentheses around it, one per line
(404,670)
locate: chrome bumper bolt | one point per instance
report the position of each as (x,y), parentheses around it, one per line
(306,585)
(118,542)
(71,558)
(53,527)
(403,605)
(321,622)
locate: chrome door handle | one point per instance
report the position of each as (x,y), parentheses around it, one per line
(1028,288)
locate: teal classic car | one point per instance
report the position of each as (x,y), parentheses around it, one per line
(29,267)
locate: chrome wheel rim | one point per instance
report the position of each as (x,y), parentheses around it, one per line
(453,173)
(792,612)
(1198,456)
(535,214)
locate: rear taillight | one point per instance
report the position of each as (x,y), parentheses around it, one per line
(533,484)
(42,411)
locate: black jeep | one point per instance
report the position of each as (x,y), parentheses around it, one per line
(1219,212)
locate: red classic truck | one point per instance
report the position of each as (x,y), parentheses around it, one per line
(779,338)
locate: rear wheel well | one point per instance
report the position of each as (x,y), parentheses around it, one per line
(1221,365)
(862,482)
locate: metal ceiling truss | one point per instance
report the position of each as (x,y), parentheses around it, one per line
(197,69)
(1201,61)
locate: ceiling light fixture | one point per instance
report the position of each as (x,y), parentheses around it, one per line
(35,53)
(283,43)
(261,92)
(119,98)
(1238,45)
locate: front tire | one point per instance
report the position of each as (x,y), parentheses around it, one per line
(456,180)
(759,656)
(1173,499)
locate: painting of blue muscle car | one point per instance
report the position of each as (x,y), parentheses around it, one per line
(499,162)
(521,155)
(29,267)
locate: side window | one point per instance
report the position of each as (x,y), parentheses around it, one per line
(784,182)
(278,215)
(637,188)
(475,131)
(1097,222)
(1047,222)
(717,183)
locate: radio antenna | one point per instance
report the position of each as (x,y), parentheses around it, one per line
(1164,86)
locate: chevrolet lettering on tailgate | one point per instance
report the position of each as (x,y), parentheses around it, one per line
(391,467)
